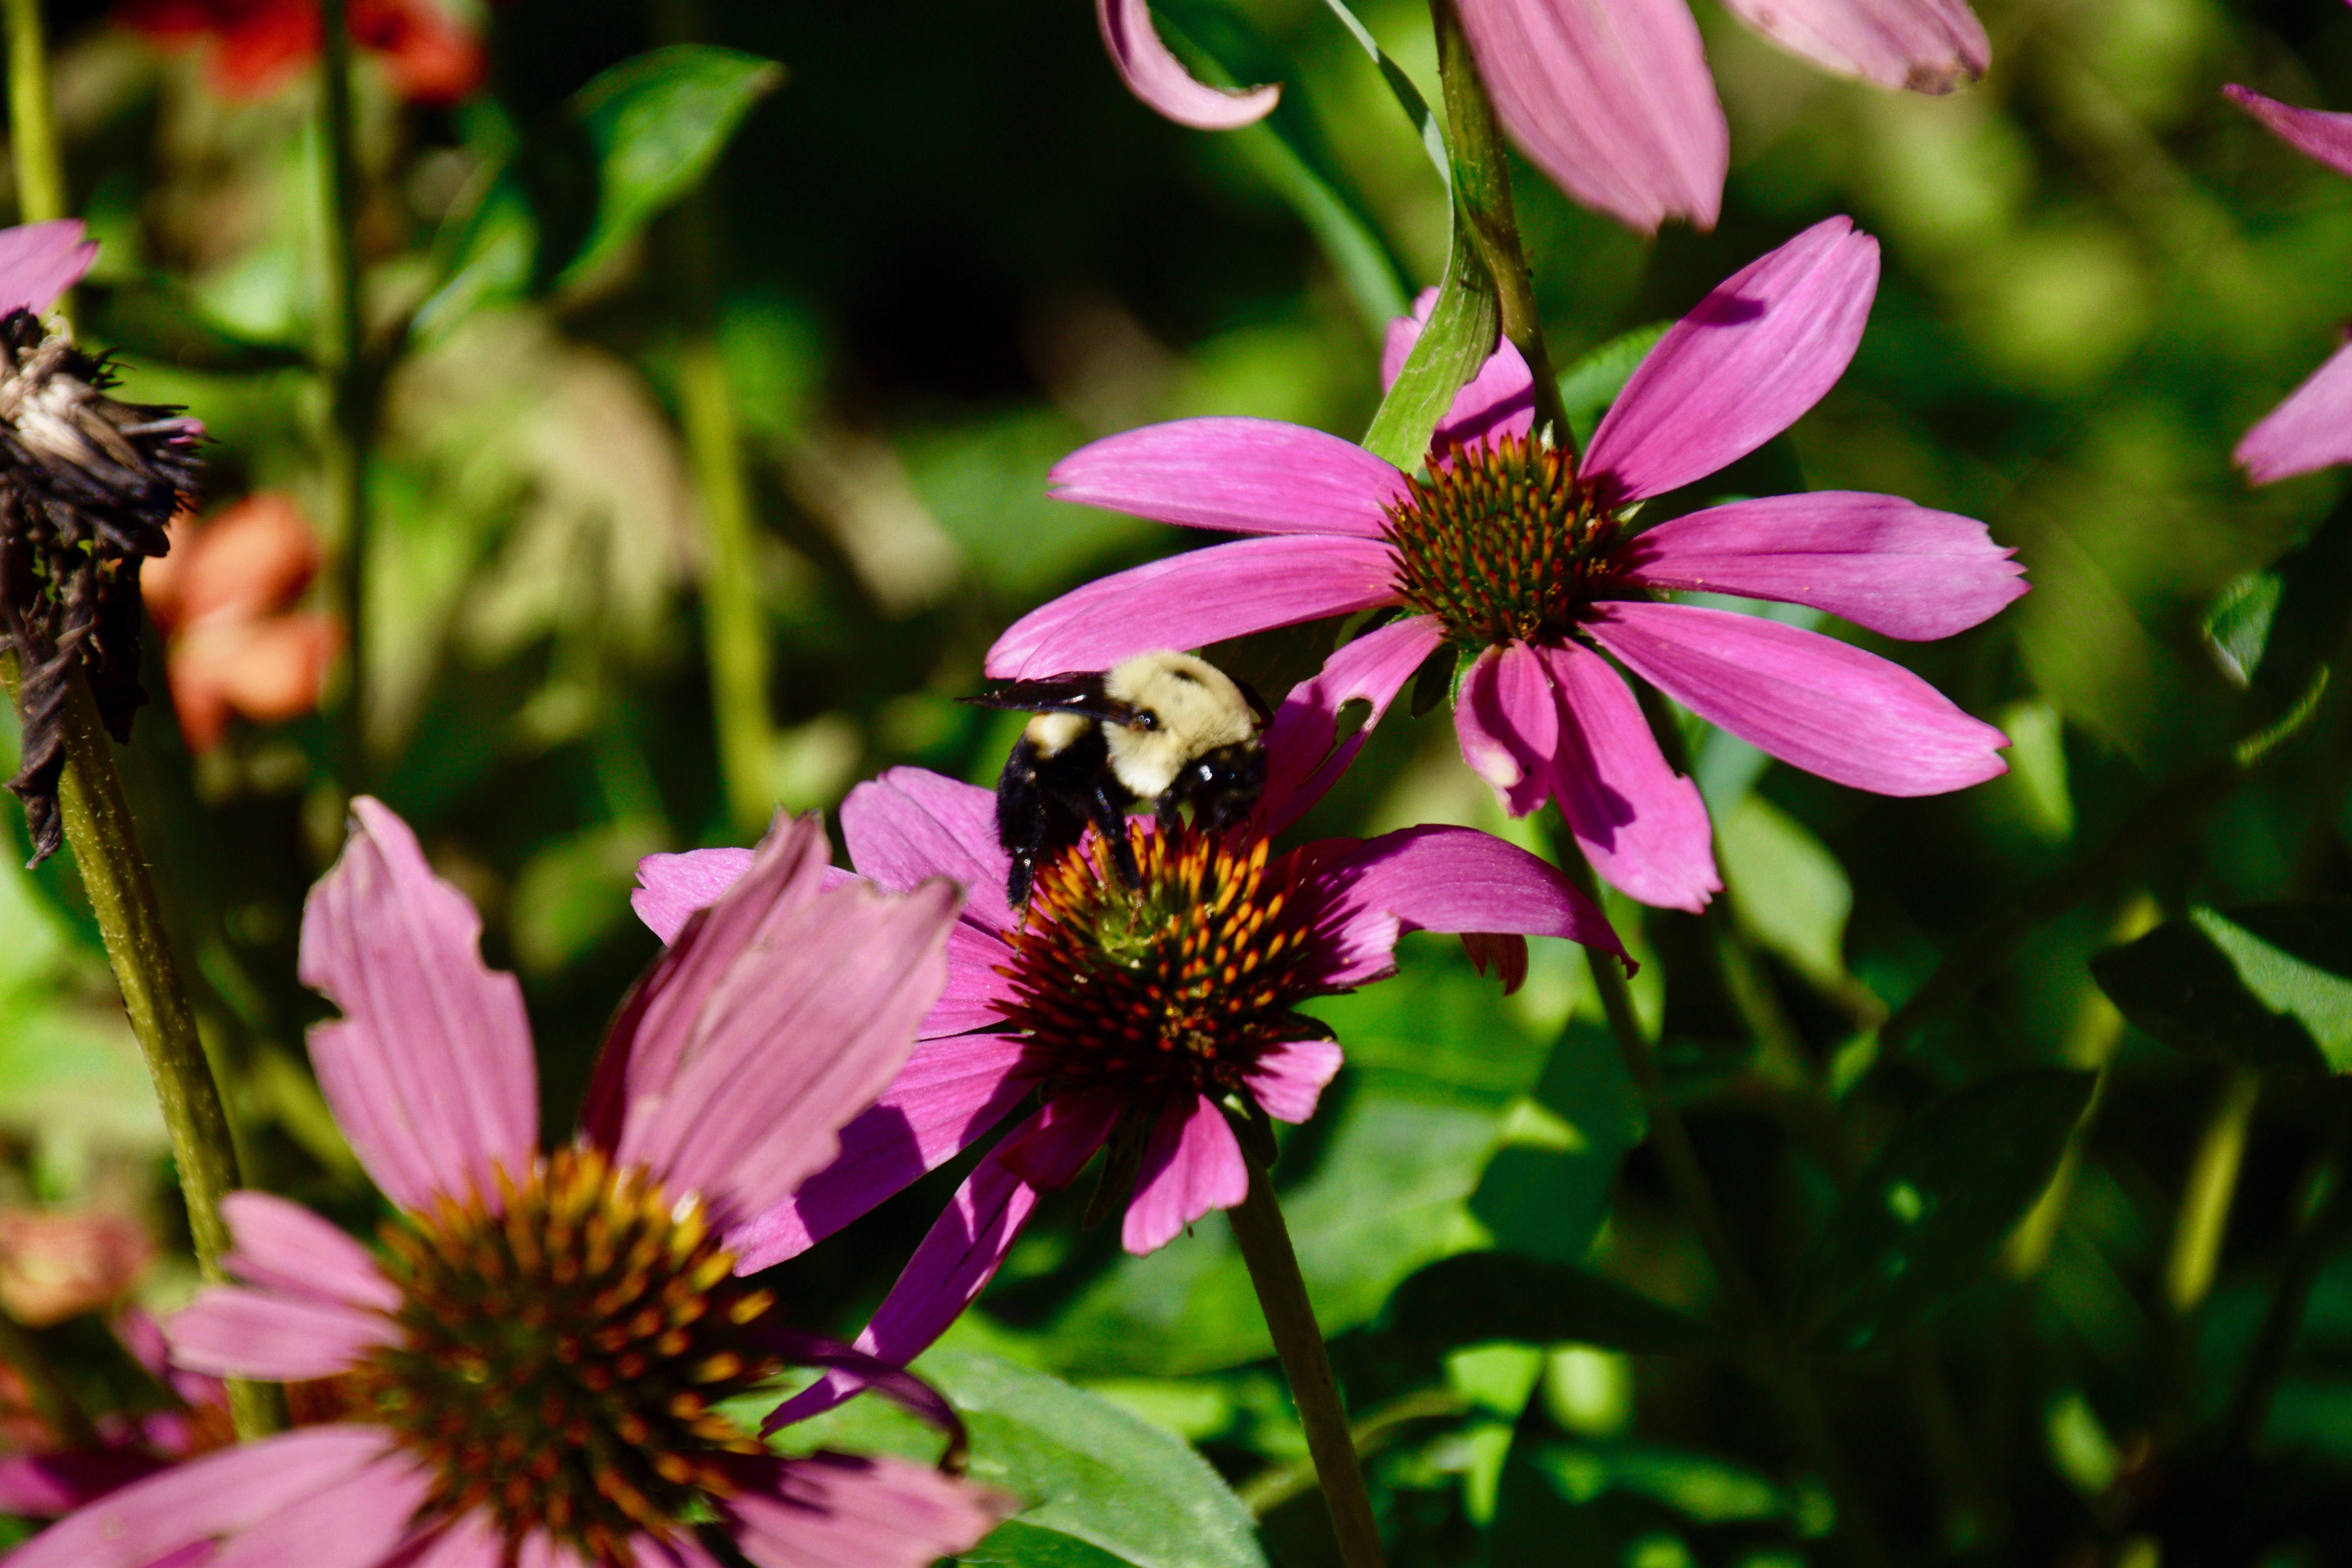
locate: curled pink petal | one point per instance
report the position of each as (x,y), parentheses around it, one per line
(230,1332)
(1161,80)
(1508,723)
(39,261)
(2315,132)
(355,1523)
(950,1093)
(285,1247)
(910,823)
(1245,475)
(670,888)
(430,1071)
(1194,1164)
(1287,1080)
(1449,879)
(1197,598)
(1808,699)
(1500,400)
(1748,360)
(204,1499)
(1611,99)
(842,1510)
(1933,47)
(2311,430)
(1304,755)
(1878,561)
(1641,824)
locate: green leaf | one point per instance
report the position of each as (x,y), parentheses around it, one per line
(1291,150)
(1548,1188)
(1589,386)
(1925,1219)
(1090,1472)
(1793,895)
(1474,1297)
(2269,985)
(1016,1544)
(628,144)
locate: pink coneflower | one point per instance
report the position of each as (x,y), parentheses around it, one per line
(534,1374)
(1143,1017)
(2313,428)
(1527,561)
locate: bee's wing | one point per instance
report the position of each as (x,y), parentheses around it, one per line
(1080,692)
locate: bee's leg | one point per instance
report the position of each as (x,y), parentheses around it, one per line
(1107,808)
(1022,822)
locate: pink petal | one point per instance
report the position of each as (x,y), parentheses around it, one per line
(1806,699)
(1197,598)
(471,1540)
(231,1331)
(1508,723)
(1289,1078)
(976,993)
(1878,561)
(1641,824)
(950,1093)
(1192,1165)
(1302,756)
(910,823)
(1245,475)
(218,1495)
(1447,880)
(286,1247)
(670,888)
(2313,133)
(2311,430)
(839,1511)
(1500,400)
(430,1071)
(1161,80)
(1612,99)
(811,1017)
(44,1486)
(355,1523)
(1748,360)
(955,1261)
(1929,45)
(39,261)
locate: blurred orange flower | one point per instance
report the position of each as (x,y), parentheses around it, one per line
(223,600)
(260,45)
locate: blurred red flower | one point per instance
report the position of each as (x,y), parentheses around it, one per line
(260,45)
(224,599)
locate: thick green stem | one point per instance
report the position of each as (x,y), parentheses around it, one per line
(2212,1185)
(1266,1246)
(350,417)
(32,127)
(122,896)
(1482,181)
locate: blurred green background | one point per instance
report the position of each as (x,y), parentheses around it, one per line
(948,250)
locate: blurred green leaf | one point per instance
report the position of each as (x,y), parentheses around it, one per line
(1548,1188)
(628,144)
(2307,629)
(1589,386)
(1925,1219)
(1476,1297)
(2269,985)
(1794,897)
(1091,1471)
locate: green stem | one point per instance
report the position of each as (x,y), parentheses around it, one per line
(123,897)
(2212,1185)
(349,418)
(1783,1367)
(53,1402)
(1277,1484)
(32,126)
(1266,1247)
(1483,180)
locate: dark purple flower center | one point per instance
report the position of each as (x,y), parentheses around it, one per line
(564,1359)
(1501,543)
(1179,983)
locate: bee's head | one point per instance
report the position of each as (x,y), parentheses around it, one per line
(1221,785)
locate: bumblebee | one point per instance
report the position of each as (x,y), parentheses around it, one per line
(1163,727)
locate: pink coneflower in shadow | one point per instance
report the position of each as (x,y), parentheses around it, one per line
(2313,428)
(50,1475)
(534,1374)
(1148,1018)
(1528,564)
